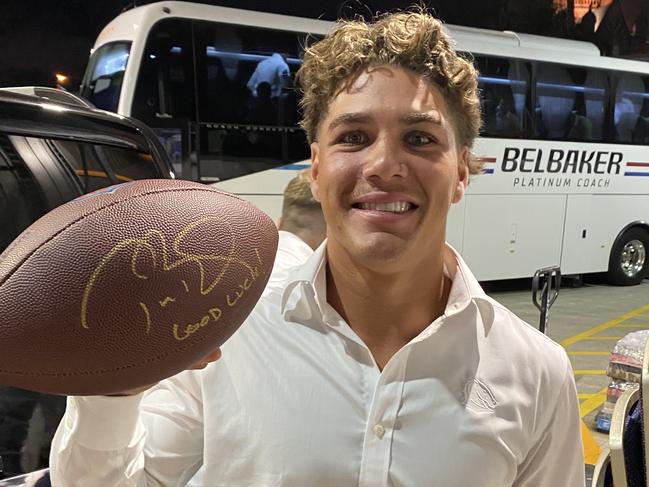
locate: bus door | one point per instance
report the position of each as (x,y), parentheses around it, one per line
(165,90)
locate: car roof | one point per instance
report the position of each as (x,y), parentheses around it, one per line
(49,93)
(35,116)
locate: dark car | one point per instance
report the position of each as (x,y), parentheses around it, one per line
(52,152)
(53,148)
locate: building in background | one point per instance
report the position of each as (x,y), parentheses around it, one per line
(618,27)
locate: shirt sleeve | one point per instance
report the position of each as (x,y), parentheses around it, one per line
(150,439)
(558,457)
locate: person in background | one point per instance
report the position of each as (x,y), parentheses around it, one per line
(380,361)
(274,71)
(301,227)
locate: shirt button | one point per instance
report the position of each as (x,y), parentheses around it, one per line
(379,430)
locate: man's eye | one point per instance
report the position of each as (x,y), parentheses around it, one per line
(419,138)
(352,138)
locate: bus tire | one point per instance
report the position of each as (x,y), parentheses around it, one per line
(629,261)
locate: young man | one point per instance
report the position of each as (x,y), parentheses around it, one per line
(380,361)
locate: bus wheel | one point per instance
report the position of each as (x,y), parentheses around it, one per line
(629,261)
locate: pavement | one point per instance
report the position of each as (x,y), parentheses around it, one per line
(587,321)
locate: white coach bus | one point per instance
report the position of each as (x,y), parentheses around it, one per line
(564,141)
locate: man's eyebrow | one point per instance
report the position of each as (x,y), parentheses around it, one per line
(351,117)
(417,117)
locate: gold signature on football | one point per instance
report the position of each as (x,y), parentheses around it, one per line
(153,244)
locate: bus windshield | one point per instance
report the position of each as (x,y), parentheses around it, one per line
(102,82)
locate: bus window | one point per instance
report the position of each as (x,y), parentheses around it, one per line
(21,198)
(631,113)
(596,93)
(248,104)
(570,103)
(555,99)
(504,94)
(165,83)
(103,80)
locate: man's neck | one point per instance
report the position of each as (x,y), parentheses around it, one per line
(387,310)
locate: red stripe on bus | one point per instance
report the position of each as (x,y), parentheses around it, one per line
(486,159)
(638,164)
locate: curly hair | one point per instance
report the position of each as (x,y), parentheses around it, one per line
(413,40)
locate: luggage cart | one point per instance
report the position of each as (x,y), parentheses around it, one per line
(548,282)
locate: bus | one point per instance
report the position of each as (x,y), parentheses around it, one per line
(563,142)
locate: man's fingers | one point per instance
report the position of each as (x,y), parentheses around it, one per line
(212,357)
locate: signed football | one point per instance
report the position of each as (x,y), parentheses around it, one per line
(128,285)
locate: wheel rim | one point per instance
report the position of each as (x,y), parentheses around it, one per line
(633,258)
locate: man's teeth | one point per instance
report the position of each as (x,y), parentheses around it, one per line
(396,207)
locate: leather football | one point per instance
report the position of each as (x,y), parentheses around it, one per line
(128,285)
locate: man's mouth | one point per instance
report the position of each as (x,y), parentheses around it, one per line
(392,207)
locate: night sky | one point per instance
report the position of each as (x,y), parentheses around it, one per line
(41,37)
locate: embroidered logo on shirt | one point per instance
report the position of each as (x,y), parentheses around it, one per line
(478,397)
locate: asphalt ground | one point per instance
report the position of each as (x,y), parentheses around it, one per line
(587,321)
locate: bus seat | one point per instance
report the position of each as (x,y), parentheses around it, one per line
(555,98)
(580,128)
(628,104)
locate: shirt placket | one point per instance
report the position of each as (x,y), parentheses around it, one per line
(381,420)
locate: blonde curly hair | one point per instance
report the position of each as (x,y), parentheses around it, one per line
(413,40)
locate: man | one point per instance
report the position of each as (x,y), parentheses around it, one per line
(380,362)
(274,71)
(301,227)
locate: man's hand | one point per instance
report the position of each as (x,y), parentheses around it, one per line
(212,357)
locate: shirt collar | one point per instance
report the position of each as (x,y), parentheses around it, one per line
(304,298)
(287,238)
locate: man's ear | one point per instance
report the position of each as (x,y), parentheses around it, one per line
(315,166)
(462,173)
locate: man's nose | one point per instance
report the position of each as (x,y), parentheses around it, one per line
(384,159)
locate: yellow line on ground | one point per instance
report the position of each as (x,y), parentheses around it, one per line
(591,448)
(590,372)
(589,405)
(641,325)
(605,326)
(588,353)
(585,396)
(602,337)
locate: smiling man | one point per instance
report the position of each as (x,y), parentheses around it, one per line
(380,361)
(386,166)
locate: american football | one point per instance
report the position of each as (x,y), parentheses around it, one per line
(128,285)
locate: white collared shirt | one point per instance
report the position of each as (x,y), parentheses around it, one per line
(478,398)
(291,252)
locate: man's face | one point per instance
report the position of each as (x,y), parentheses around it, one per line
(386,168)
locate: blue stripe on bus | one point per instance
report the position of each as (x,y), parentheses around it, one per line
(636,173)
(294,167)
(488,171)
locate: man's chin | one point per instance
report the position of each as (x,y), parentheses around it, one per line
(382,249)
